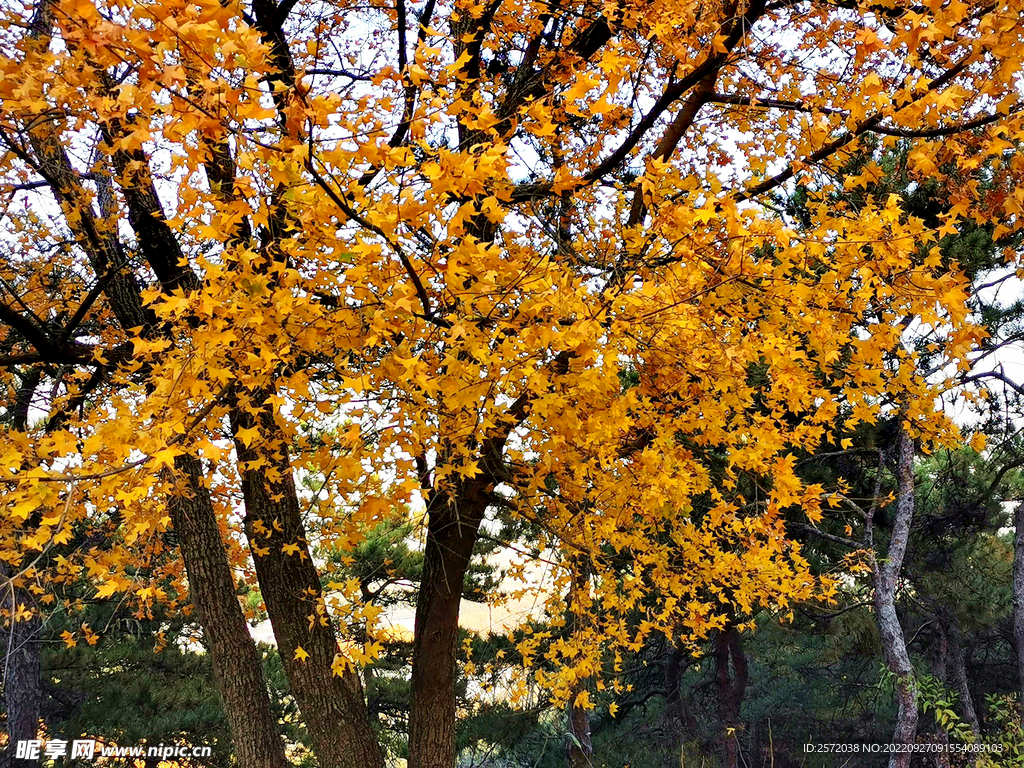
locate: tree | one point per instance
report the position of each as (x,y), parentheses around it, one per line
(450,228)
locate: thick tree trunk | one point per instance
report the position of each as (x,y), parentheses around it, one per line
(20,672)
(1018,598)
(451,533)
(329,694)
(894,647)
(236,661)
(731,688)
(581,748)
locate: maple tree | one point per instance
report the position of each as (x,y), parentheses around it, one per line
(515,255)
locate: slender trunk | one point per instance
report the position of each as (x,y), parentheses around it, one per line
(236,661)
(731,688)
(451,533)
(961,682)
(1018,598)
(328,691)
(370,683)
(941,758)
(580,749)
(678,661)
(21,681)
(894,647)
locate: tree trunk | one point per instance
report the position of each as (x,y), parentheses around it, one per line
(20,670)
(21,681)
(321,697)
(580,748)
(894,647)
(451,533)
(329,694)
(236,661)
(370,681)
(1018,598)
(676,663)
(731,687)
(961,682)
(939,664)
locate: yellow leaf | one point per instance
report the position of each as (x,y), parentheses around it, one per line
(108,589)
(90,637)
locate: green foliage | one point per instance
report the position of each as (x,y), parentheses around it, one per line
(122,691)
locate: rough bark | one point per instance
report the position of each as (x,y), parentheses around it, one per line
(236,661)
(894,647)
(20,670)
(581,749)
(731,688)
(329,695)
(451,533)
(21,682)
(1018,598)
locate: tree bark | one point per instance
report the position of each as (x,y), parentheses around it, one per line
(961,681)
(329,695)
(894,647)
(452,527)
(20,673)
(1018,598)
(580,748)
(21,681)
(731,688)
(676,663)
(939,665)
(236,661)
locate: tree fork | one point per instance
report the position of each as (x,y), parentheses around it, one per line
(236,662)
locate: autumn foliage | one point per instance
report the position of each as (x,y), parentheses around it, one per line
(461,260)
